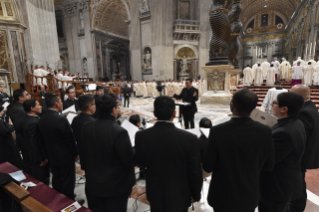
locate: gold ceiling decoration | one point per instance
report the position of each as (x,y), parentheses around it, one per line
(187,52)
(252,7)
(57,1)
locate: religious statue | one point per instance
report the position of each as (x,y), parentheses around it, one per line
(81,20)
(144,6)
(184,66)
(85,66)
(147,61)
(215,80)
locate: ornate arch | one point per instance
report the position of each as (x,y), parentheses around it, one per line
(179,47)
(111,16)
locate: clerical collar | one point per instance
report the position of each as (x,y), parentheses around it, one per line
(53,110)
(71,99)
(33,116)
(308,100)
(164,121)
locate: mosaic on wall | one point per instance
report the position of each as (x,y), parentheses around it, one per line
(110,18)
(16,54)
(9,9)
(3,51)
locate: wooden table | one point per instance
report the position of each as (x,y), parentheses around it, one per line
(49,197)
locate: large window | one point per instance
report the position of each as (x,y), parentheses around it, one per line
(251,24)
(264,20)
(278,20)
(59,26)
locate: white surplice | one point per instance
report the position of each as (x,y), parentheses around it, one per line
(308,75)
(316,76)
(60,77)
(247,76)
(276,66)
(271,77)
(302,62)
(297,72)
(259,77)
(265,67)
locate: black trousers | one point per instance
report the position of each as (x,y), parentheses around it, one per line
(26,160)
(63,179)
(41,173)
(108,204)
(155,210)
(188,119)
(271,206)
(299,205)
(126,101)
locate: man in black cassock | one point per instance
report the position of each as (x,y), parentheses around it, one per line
(237,152)
(190,95)
(38,167)
(18,116)
(87,107)
(71,100)
(310,118)
(284,183)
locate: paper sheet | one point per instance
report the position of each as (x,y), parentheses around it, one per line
(194,131)
(5,105)
(131,129)
(205,131)
(148,125)
(92,87)
(18,175)
(74,207)
(178,125)
(70,117)
(69,109)
(264,118)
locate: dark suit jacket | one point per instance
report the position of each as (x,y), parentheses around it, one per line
(284,182)
(203,144)
(68,103)
(237,152)
(77,129)
(126,92)
(33,138)
(173,171)
(18,116)
(2,97)
(58,139)
(106,90)
(187,96)
(310,118)
(109,166)
(9,152)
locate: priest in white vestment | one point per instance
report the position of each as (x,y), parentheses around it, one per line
(285,70)
(308,74)
(276,64)
(316,76)
(302,62)
(60,77)
(297,74)
(248,79)
(271,96)
(259,76)
(265,67)
(271,76)
(37,73)
(253,71)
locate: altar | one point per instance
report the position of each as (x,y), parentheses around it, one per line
(218,84)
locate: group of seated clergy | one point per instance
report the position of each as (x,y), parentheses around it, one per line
(252,165)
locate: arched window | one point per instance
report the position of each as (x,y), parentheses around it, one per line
(264,20)
(251,24)
(278,20)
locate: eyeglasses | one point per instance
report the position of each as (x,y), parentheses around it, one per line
(274,103)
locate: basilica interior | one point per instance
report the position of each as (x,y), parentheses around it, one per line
(161,40)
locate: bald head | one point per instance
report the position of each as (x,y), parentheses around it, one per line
(302,90)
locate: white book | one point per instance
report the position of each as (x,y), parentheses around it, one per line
(70,117)
(264,118)
(205,131)
(69,109)
(194,131)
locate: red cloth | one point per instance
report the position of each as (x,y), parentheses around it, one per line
(49,197)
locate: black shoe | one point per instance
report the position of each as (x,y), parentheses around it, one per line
(81,201)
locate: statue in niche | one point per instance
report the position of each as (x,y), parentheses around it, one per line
(184,67)
(144,6)
(147,61)
(215,80)
(85,66)
(81,20)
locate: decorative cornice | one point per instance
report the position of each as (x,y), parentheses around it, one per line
(70,8)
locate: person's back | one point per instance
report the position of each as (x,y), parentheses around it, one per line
(171,157)
(237,152)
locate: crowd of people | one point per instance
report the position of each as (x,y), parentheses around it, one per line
(300,72)
(251,164)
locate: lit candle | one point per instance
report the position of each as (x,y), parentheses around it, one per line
(310,49)
(306,48)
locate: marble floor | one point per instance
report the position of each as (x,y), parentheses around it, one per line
(218,114)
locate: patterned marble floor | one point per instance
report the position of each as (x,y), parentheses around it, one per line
(218,114)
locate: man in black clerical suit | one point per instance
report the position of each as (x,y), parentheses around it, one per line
(59,145)
(237,152)
(110,160)
(310,118)
(284,183)
(87,107)
(127,95)
(171,158)
(37,167)
(190,95)
(70,91)
(17,116)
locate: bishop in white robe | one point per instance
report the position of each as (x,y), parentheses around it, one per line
(271,76)
(248,79)
(265,67)
(259,76)
(308,74)
(285,70)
